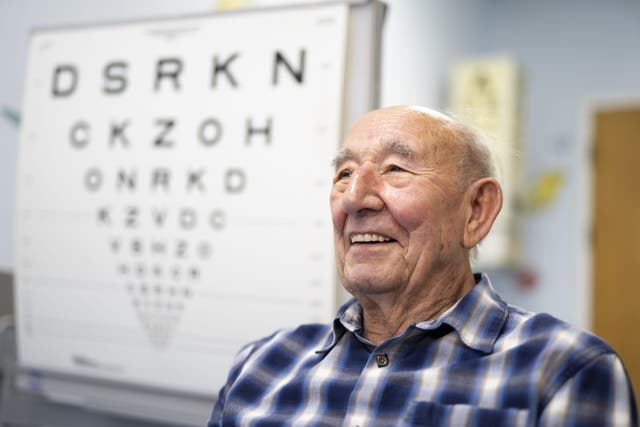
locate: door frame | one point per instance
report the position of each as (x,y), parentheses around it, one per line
(585,175)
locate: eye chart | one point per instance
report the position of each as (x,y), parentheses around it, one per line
(173,185)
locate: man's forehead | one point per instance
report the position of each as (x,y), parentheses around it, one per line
(408,131)
(389,127)
(399,122)
(385,148)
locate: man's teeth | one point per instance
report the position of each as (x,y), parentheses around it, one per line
(368,237)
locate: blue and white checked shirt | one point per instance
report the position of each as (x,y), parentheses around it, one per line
(482,363)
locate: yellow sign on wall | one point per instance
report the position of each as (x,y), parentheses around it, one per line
(486,93)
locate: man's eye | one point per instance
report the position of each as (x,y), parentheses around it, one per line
(394,168)
(343,174)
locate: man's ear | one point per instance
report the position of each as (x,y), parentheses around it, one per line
(484,204)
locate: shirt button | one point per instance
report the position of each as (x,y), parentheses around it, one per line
(382,360)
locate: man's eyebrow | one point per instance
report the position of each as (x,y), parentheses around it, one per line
(402,149)
(342,157)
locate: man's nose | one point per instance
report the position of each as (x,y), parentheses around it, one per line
(363,192)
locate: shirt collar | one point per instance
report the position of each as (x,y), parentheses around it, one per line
(478,317)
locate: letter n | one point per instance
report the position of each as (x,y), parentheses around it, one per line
(280,61)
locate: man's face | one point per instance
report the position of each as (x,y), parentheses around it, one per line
(397,214)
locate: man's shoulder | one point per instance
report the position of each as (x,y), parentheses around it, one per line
(550,340)
(304,333)
(276,352)
(292,340)
(550,329)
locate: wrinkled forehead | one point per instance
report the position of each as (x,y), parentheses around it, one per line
(424,131)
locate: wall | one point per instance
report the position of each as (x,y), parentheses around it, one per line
(421,40)
(570,52)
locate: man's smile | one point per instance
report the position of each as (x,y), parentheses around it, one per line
(369,238)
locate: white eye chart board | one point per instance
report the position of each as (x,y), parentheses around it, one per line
(173,184)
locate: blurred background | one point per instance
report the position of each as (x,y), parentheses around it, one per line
(565,76)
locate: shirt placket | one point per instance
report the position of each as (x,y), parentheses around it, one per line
(371,384)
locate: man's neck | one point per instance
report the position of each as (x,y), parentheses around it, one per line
(387,316)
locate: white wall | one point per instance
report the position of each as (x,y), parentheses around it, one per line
(421,39)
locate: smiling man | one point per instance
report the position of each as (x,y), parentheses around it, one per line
(424,341)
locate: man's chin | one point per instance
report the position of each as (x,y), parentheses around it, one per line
(367,285)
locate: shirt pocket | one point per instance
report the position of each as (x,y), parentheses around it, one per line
(439,415)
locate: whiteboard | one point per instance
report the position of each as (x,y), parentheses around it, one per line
(173,182)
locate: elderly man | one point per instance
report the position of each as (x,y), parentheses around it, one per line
(424,341)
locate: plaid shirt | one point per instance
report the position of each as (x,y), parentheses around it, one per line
(482,363)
